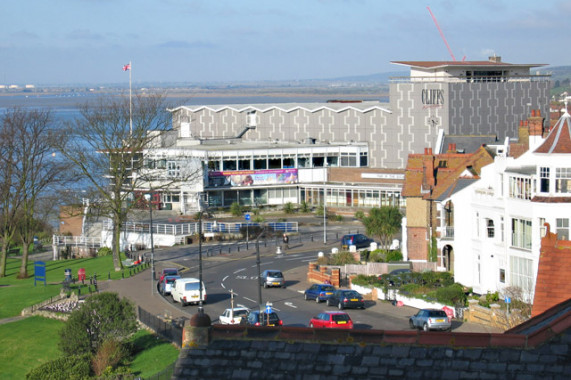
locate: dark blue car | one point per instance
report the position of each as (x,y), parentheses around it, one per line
(319,292)
(358,240)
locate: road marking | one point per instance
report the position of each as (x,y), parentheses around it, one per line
(290,305)
(246,298)
(267,263)
(305,261)
(224,279)
(240,270)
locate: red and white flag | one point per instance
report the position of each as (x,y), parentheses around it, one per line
(127,67)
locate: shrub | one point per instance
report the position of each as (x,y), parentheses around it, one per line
(319,211)
(364,280)
(70,367)
(288,208)
(377,256)
(236,209)
(304,207)
(258,219)
(393,256)
(104,251)
(342,258)
(108,356)
(359,215)
(451,295)
(101,317)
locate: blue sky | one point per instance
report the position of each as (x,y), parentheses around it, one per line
(88,41)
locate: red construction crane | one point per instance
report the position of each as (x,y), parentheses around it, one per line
(442,35)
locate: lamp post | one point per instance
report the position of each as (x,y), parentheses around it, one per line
(259,270)
(324,202)
(200,308)
(149,198)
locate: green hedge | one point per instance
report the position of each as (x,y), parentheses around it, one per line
(67,368)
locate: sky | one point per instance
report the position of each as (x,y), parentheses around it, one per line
(199,41)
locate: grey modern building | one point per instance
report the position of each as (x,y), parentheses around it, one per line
(344,145)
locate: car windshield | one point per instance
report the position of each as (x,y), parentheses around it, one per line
(170,280)
(239,313)
(328,288)
(170,272)
(351,294)
(273,318)
(437,313)
(340,317)
(275,274)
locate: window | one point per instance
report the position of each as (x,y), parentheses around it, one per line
(490,226)
(275,163)
(520,270)
(260,164)
(563,180)
(544,180)
(502,229)
(229,165)
(502,276)
(173,169)
(521,233)
(562,229)
(363,159)
(244,165)
(213,166)
(289,163)
(520,188)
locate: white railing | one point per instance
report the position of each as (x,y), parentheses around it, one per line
(76,240)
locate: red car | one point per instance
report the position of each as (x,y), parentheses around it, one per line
(332,320)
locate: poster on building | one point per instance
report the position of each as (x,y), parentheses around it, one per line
(240,178)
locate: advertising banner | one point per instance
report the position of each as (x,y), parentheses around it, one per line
(239,178)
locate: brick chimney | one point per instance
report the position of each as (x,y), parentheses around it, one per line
(451,148)
(428,180)
(523,133)
(535,124)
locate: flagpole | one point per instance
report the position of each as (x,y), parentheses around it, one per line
(130,101)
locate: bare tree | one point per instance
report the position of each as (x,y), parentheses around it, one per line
(29,172)
(107,143)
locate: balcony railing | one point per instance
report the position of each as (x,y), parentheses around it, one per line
(447,232)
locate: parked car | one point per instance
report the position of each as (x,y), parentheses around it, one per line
(358,240)
(166,272)
(166,284)
(332,320)
(396,276)
(430,319)
(272,277)
(233,316)
(319,292)
(187,291)
(255,318)
(346,298)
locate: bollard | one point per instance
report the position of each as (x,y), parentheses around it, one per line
(130,272)
(109,275)
(122,274)
(311,237)
(238,247)
(79,291)
(228,249)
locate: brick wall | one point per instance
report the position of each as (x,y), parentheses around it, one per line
(417,243)
(322,274)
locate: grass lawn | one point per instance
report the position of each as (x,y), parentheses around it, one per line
(17,294)
(27,343)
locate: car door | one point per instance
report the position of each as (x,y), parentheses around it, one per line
(313,291)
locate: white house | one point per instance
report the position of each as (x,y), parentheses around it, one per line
(499,219)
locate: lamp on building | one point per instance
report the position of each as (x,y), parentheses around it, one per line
(148,198)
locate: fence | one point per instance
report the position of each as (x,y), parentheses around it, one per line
(170,330)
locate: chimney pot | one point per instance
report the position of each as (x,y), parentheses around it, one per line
(532,113)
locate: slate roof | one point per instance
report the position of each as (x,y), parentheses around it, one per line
(444,64)
(468,144)
(559,139)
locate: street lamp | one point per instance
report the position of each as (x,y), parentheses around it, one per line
(200,307)
(324,202)
(148,197)
(259,270)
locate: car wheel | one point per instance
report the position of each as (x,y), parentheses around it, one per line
(425,327)
(328,303)
(411,324)
(317,299)
(340,306)
(306,297)
(265,285)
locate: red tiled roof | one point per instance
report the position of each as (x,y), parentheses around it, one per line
(455,165)
(559,139)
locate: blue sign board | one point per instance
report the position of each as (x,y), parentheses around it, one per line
(508,300)
(247,217)
(39,272)
(268,309)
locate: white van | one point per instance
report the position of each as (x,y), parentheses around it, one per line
(187,291)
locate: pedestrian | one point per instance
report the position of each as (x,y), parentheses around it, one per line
(286,241)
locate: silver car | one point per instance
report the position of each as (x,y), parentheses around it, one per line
(430,319)
(272,278)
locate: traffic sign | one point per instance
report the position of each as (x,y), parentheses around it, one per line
(508,300)
(247,217)
(268,309)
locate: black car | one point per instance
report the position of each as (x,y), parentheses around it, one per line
(358,240)
(255,318)
(346,298)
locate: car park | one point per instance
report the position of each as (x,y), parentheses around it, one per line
(255,318)
(346,298)
(430,319)
(358,240)
(272,277)
(187,291)
(319,292)
(165,286)
(233,316)
(332,320)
